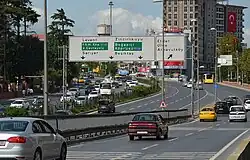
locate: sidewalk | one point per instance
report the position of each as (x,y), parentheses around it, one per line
(245,86)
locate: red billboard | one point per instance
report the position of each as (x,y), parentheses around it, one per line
(144,69)
(231,22)
(173,64)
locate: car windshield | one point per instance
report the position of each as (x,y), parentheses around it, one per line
(129,80)
(14,126)
(207,109)
(97,86)
(106,86)
(73,89)
(82,98)
(17,102)
(131,83)
(145,117)
(93,93)
(103,102)
(235,109)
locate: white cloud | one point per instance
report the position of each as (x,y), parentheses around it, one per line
(125,23)
(39,11)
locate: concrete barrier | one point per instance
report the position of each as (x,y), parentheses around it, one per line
(242,152)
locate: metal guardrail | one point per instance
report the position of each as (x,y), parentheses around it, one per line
(97,120)
(242,151)
(93,133)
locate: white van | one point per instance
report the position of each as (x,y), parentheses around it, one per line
(106,88)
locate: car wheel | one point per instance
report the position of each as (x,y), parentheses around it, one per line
(201,120)
(159,135)
(230,120)
(63,152)
(166,135)
(245,120)
(38,155)
(140,137)
(131,138)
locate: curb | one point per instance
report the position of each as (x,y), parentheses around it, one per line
(228,85)
(239,150)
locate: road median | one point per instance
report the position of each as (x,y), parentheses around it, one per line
(242,152)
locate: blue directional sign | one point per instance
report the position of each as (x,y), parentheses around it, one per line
(216,86)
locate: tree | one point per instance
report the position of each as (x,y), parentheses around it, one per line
(244,63)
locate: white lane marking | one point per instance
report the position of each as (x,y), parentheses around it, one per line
(154,145)
(131,109)
(173,139)
(139,100)
(202,129)
(158,100)
(171,103)
(154,109)
(123,111)
(189,134)
(176,101)
(228,145)
(217,125)
(138,106)
(152,102)
(177,91)
(196,100)
(145,104)
(183,124)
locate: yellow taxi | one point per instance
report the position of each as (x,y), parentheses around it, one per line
(208,113)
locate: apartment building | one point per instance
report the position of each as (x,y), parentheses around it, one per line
(207,14)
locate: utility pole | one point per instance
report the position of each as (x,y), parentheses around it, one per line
(45,83)
(64,88)
(192,77)
(237,54)
(111,25)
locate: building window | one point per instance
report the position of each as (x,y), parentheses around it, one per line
(169,9)
(191,9)
(169,23)
(175,2)
(185,15)
(169,16)
(185,23)
(191,2)
(175,23)
(191,16)
(169,2)
(175,16)
(185,9)
(185,2)
(196,15)
(175,9)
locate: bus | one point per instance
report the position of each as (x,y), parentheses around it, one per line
(208,79)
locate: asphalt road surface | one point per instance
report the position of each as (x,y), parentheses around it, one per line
(193,140)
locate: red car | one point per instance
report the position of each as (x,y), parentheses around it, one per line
(147,124)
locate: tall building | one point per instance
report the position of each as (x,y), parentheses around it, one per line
(200,16)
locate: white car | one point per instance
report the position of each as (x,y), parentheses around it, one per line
(93,94)
(73,91)
(135,81)
(106,88)
(247,105)
(68,97)
(81,100)
(120,83)
(189,85)
(132,84)
(20,103)
(97,87)
(128,81)
(237,113)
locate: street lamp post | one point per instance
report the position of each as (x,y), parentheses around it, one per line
(45,83)
(192,70)
(163,50)
(215,66)
(111,25)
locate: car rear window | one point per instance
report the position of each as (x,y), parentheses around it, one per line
(145,117)
(14,126)
(235,109)
(207,109)
(247,102)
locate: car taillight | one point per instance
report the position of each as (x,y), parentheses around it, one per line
(212,113)
(17,140)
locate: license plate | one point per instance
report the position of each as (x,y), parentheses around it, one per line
(2,143)
(221,109)
(142,132)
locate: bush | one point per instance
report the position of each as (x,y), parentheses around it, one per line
(16,112)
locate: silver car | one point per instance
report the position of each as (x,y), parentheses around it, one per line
(30,139)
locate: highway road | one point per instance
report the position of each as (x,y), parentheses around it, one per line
(193,140)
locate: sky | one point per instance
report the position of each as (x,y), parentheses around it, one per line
(130,17)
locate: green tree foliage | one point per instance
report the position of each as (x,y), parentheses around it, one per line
(244,63)
(15,18)
(59,30)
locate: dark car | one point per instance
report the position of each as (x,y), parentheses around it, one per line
(222,107)
(234,99)
(147,124)
(106,106)
(229,101)
(115,84)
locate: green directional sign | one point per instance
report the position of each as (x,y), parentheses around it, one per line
(127,46)
(94,46)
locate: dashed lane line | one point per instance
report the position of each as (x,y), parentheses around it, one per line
(173,139)
(189,134)
(154,145)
